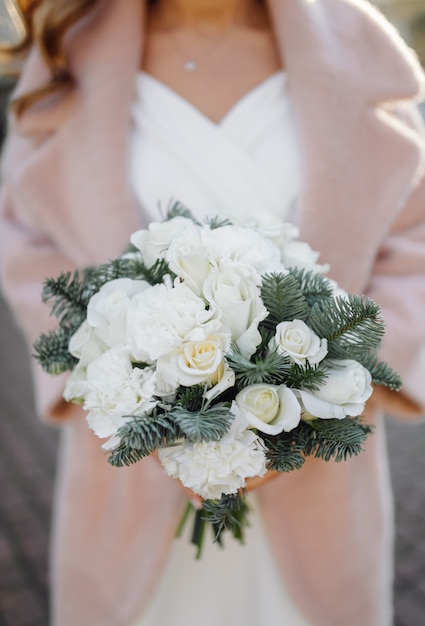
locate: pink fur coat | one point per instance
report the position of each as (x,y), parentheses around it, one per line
(65,202)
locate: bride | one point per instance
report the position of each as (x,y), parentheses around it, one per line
(294,109)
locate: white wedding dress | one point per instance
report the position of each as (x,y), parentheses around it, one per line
(247,168)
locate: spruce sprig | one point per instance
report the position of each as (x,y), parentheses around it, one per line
(285,452)
(67,297)
(51,351)
(381,372)
(229,513)
(142,435)
(178,209)
(315,287)
(283,298)
(335,439)
(209,423)
(352,325)
(272,368)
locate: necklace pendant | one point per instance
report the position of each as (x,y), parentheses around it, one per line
(190,66)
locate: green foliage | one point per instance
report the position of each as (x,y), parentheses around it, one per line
(142,435)
(272,369)
(191,398)
(285,451)
(324,439)
(308,377)
(283,298)
(335,439)
(352,326)
(206,424)
(51,351)
(315,287)
(382,373)
(229,513)
(177,209)
(217,222)
(67,296)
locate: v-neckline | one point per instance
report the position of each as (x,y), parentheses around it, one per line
(244,100)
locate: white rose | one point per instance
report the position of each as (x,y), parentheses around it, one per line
(233,289)
(114,389)
(300,254)
(107,309)
(154,242)
(214,468)
(269,408)
(245,245)
(187,258)
(161,318)
(85,344)
(300,343)
(344,393)
(194,362)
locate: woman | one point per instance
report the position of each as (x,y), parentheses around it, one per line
(298,107)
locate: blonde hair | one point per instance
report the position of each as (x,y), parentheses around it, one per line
(45,23)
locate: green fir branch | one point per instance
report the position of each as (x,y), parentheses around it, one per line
(285,452)
(315,287)
(283,298)
(177,209)
(66,295)
(229,513)
(382,373)
(191,398)
(217,222)
(307,377)
(141,436)
(51,351)
(335,439)
(272,368)
(352,325)
(206,424)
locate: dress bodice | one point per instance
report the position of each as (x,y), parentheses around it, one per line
(247,166)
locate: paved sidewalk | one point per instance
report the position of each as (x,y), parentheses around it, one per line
(27,461)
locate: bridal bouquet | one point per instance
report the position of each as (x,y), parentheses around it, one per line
(223,347)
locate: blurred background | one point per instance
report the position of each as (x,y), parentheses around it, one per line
(28,449)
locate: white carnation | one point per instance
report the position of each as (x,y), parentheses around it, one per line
(114,389)
(107,309)
(214,468)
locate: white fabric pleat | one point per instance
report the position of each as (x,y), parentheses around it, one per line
(247,167)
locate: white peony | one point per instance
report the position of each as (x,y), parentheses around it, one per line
(232,288)
(154,242)
(114,389)
(107,309)
(299,342)
(161,318)
(194,362)
(269,408)
(344,393)
(214,468)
